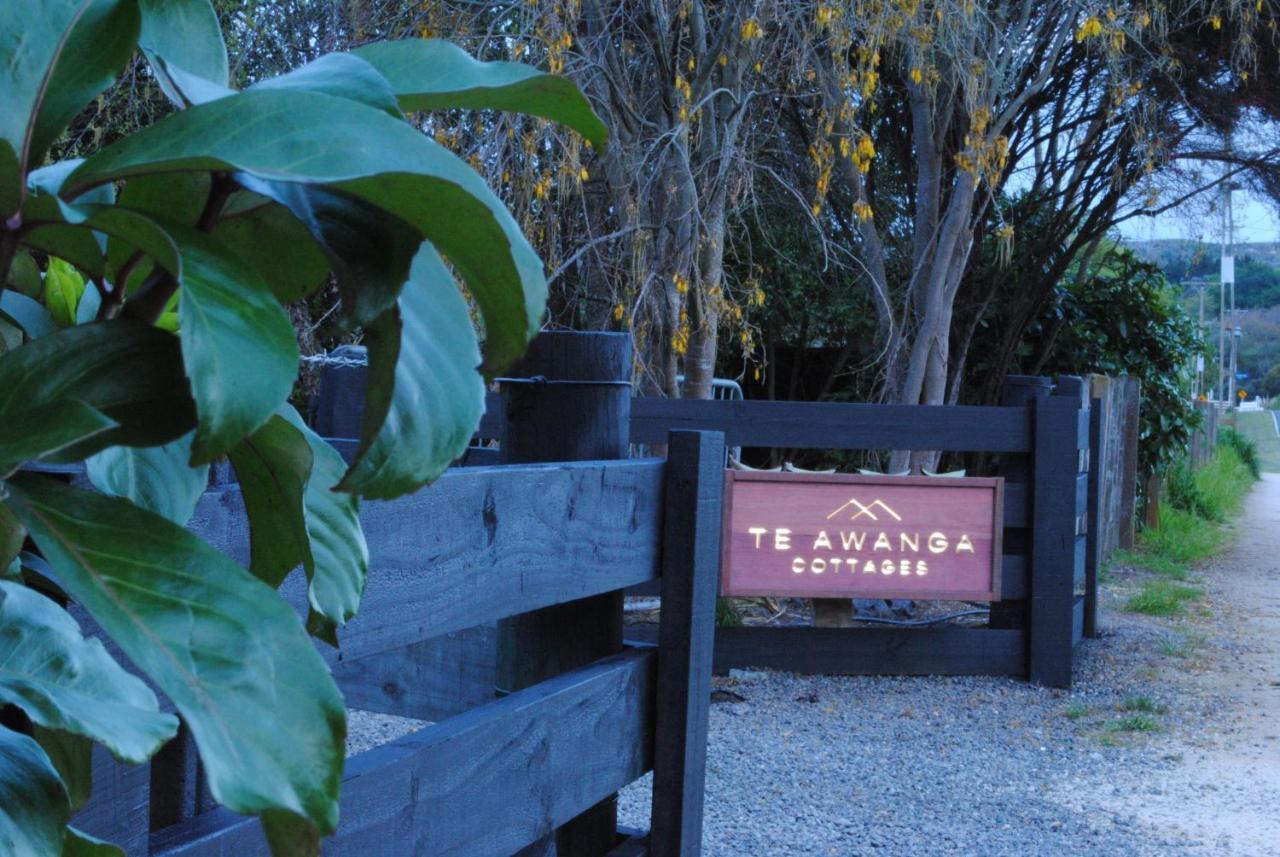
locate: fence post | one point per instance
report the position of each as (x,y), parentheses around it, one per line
(1094,549)
(1018,391)
(686,639)
(567,400)
(1053,539)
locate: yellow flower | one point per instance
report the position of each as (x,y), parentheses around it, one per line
(1090,28)
(1216,21)
(862,210)
(583,175)
(751,30)
(916,76)
(618,312)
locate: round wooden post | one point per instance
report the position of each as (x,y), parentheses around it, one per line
(569,399)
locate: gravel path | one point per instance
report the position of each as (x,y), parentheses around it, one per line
(853,765)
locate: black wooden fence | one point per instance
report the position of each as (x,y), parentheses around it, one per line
(1042,437)
(579,717)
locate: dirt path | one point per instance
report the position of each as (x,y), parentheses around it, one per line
(1223,791)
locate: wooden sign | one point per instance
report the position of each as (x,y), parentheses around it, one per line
(844,536)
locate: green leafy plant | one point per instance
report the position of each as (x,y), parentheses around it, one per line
(1162,598)
(1243,446)
(142,295)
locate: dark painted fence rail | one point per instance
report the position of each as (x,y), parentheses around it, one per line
(1042,435)
(533,732)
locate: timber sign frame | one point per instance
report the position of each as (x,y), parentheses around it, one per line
(835,535)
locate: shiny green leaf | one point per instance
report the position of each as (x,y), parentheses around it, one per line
(80,844)
(279,248)
(63,287)
(58,54)
(287,474)
(24,275)
(313,138)
(432,74)
(156,478)
(265,714)
(34,433)
(183,42)
(33,802)
(72,758)
(272,466)
(12,534)
(63,680)
(129,371)
(339,561)
(27,314)
(238,344)
(424,399)
(343,75)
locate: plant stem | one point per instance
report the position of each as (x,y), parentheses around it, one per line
(153,296)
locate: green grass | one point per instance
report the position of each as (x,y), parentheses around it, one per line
(1162,598)
(1075,710)
(1258,427)
(1141,704)
(1134,723)
(1186,644)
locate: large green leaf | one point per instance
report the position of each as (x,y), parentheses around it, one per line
(433,74)
(339,561)
(238,344)
(288,474)
(63,287)
(80,844)
(33,803)
(129,371)
(156,478)
(343,75)
(57,55)
(370,250)
(26,313)
(183,42)
(64,681)
(12,534)
(272,466)
(279,248)
(72,758)
(424,400)
(314,138)
(34,433)
(24,275)
(265,714)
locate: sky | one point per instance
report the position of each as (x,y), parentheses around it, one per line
(1254,222)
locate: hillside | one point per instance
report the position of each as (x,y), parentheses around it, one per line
(1257,267)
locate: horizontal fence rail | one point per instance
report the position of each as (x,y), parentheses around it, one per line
(483,784)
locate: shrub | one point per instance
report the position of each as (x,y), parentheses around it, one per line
(1243,446)
(195,233)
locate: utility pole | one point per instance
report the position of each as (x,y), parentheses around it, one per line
(1227,283)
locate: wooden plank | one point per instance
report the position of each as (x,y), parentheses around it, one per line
(690,574)
(636,845)
(1093,533)
(1017,505)
(119,808)
(1053,554)
(826,425)
(584,415)
(1077,621)
(482,784)
(484,543)
(1081,506)
(429,680)
(866,651)
(1079,559)
(1013,577)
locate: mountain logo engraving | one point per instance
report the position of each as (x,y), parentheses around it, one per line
(867,509)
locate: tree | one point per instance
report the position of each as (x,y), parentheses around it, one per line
(149,337)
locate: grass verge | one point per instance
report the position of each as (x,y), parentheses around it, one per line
(1162,598)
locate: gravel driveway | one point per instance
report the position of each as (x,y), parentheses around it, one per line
(1166,745)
